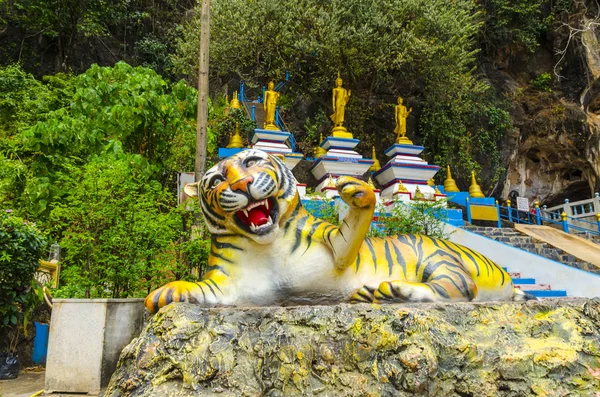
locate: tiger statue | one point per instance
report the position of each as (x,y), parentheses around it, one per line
(268,250)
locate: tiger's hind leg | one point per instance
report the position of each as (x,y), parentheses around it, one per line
(449,286)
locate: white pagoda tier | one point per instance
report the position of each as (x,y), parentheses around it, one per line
(276,142)
(340,160)
(407,168)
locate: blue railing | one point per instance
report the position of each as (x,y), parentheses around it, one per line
(542,217)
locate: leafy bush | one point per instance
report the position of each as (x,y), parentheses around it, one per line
(418,217)
(542,82)
(21,247)
(121,232)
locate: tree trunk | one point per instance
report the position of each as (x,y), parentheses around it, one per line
(201,128)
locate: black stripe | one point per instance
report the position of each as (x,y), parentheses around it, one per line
(155,299)
(314,227)
(357,262)
(439,289)
(400,259)
(299,227)
(292,217)
(464,283)
(443,276)
(215,284)
(419,253)
(413,242)
(216,267)
(362,292)
(221,245)
(446,243)
(373,258)
(207,208)
(460,247)
(340,232)
(202,290)
(431,268)
(328,237)
(388,256)
(169,297)
(213,253)
(349,183)
(209,287)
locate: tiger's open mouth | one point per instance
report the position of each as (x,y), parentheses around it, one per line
(259,216)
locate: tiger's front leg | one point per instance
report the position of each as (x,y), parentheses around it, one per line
(349,237)
(211,291)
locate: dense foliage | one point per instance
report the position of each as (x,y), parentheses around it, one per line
(21,247)
(419,217)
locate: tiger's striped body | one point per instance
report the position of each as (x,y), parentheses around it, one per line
(292,257)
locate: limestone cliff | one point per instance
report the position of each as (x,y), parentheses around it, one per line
(554,151)
(547,348)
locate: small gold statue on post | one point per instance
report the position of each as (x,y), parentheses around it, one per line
(235,140)
(235,103)
(270,105)
(340,98)
(400,115)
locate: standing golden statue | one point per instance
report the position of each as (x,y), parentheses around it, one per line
(340,98)
(400,115)
(270,105)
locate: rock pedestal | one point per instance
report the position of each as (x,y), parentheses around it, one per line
(546,348)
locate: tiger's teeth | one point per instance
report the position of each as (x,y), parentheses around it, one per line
(267,205)
(252,227)
(245,212)
(270,220)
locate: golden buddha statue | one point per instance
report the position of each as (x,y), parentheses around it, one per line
(319,151)
(269,105)
(235,103)
(235,140)
(401,188)
(474,189)
(418,194)
(340,98)
(400,115)
(376,165)
(449,183)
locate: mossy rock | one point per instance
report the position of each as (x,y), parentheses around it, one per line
(545,348)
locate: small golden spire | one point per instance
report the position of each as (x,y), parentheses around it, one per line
(371,184)
(430,182)
(564,216)
(401,188)
(319,151)
(376,165)
(235,140)
(437,191)
(330,182)
(235,104)
(418,194)
(449,183)
(474,189)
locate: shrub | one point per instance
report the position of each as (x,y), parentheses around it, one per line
(418,217)
(21,247)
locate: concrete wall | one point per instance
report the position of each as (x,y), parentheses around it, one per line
(86,338)
(561,277)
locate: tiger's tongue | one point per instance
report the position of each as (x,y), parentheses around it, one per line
(258,216)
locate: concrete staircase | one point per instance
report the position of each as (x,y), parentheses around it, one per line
(516,239)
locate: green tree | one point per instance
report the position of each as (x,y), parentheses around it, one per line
(418,217)
(121,232)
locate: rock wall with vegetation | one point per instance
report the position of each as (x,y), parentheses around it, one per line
(546,348)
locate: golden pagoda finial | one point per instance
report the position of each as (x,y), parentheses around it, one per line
(376,164)
(401,188)
(430,182)
(437,191)
(235,140)
(319,151)
(474,189)
(235,103)
(330,182)
(418,194)
(449,183)
(371,184)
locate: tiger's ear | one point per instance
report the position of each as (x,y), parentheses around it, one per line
(191,189)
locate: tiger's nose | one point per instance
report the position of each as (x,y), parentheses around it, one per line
(241,183)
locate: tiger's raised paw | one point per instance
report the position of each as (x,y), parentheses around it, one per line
(355,193)
(176,291)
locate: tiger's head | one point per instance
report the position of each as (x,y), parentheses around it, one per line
(247,194)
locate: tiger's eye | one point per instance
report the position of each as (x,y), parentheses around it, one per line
(251,163)
(216,182)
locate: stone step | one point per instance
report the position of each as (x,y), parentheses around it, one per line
(514,275)
(547,293)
